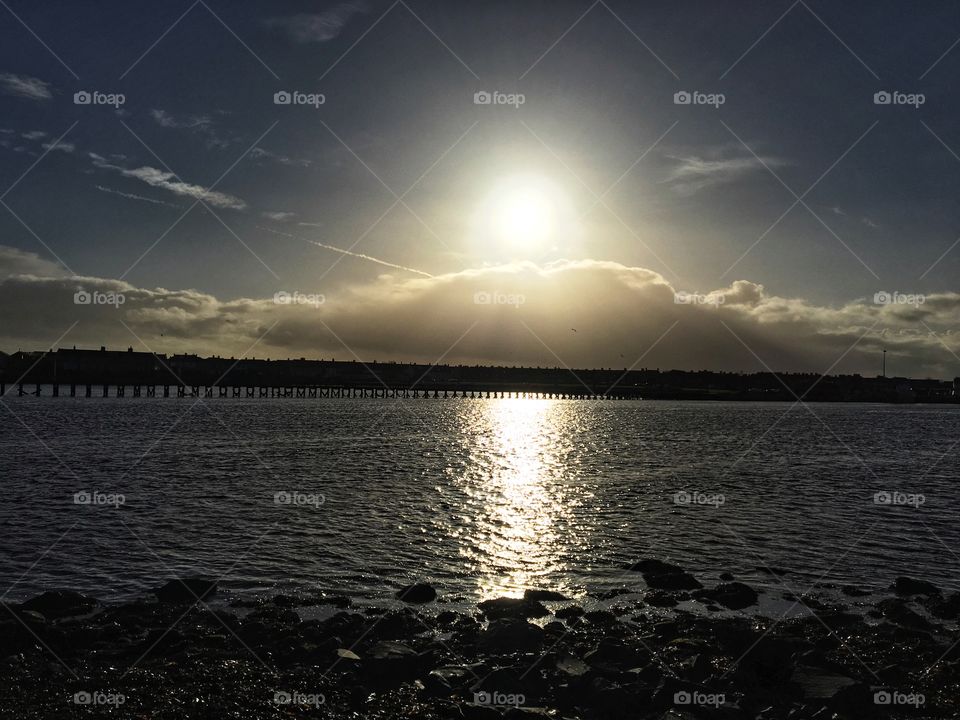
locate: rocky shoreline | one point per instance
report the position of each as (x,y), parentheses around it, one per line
(65,655)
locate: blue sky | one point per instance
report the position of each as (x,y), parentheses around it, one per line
(702,195)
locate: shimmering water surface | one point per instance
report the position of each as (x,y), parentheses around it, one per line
(480,497)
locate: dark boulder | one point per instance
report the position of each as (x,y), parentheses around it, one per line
(734,596)
(911,586)
(417,594)
(544,595)
(511,635)
(507,607)
(56,604)
(185,590)
(661,575)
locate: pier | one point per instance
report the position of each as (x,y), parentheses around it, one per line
(128,374)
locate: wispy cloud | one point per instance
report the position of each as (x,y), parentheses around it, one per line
(133,196)
(34,135)
(260,154)
(25,86)
(319,27)
(870,223)
(278,216)
(693,173)
(164,180)
(61,146)
(201,124)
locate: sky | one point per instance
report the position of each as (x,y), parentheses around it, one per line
(608,184)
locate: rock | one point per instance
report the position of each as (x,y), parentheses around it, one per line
(417,594)
(819,685)
(853,591)
(600,617)
(910,586)
(507,607)
(726,577)
(897,611)
(662,598)
(614,654)
(661,575)
(391,663)
(734,596)
(511,635)
(56,604)
(571,665)
(185,590)
(946,609)
(345,654)
(569,613)
(544,595)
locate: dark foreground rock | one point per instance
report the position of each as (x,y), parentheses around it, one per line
(417,594)
(180,659)
(185,590)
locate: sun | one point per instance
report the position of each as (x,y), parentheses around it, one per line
(522,213)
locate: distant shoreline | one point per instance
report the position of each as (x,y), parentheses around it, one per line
(87,372)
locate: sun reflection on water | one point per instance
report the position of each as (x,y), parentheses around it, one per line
(518,495)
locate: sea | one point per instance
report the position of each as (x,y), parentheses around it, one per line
(480,497)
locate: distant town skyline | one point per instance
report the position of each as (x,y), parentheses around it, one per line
(557,184)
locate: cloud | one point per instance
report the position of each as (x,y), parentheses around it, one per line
(278,216)
(692,173)
(201,124)
(25,86)
(61,146)
(19,262)
(133,196)
(320,27)
(34,135)
(259,153)
(620,312)
(167,181)
(870,223)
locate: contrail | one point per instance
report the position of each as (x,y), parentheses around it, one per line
(348,252)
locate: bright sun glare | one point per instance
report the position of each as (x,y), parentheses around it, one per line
(522,214)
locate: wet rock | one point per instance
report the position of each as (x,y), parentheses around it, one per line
(897,611)
(601,617)
(818,684)
(911,586)
(571,665)
(417,594)
(544,595)
(946,609)
(507,607)
(569,613)
(663,599)
(661,575)
(185,590)
(614,654)
(56,604)
(511,635)
(853,591)
(735,595)
(726,577)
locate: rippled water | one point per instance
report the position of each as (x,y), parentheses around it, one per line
(481,497)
